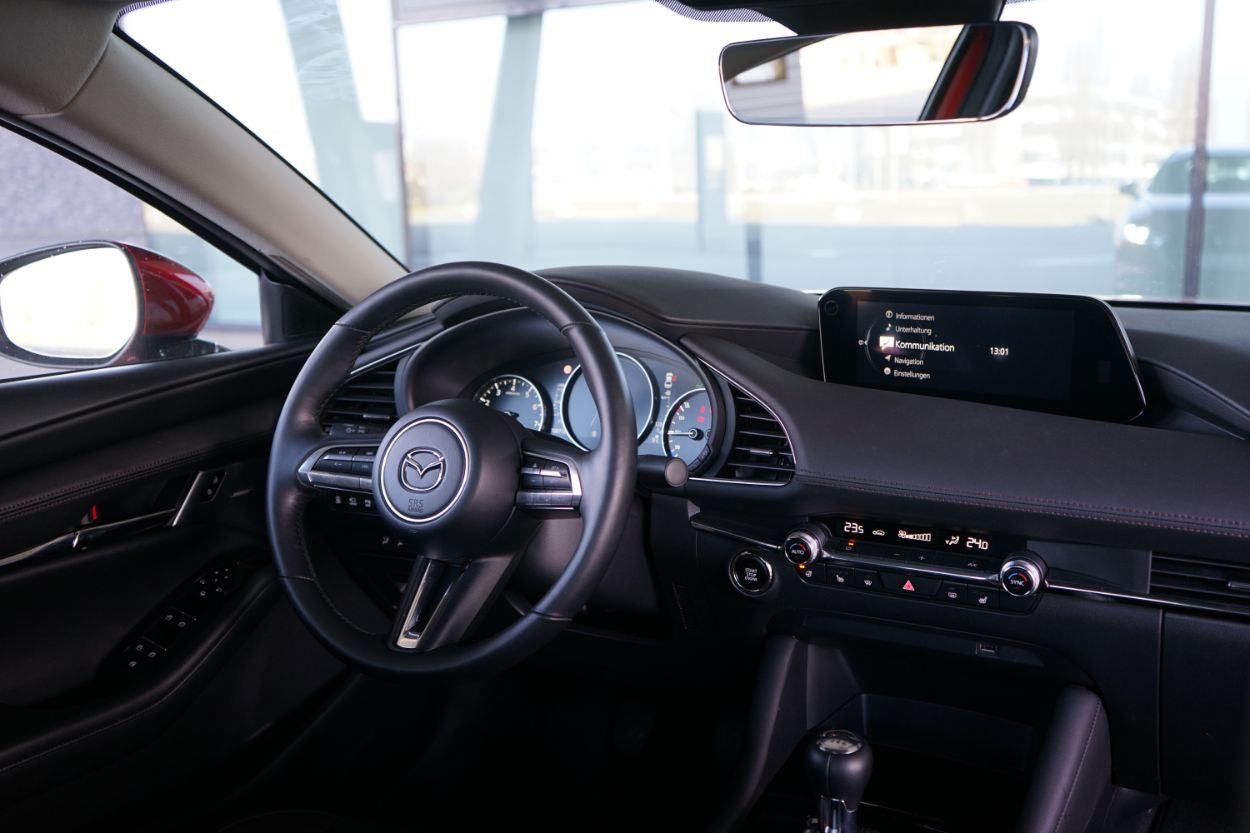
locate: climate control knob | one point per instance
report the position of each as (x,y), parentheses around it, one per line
(1022,575)
(803,545)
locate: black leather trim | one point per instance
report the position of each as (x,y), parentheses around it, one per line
(1073,769)
(78,738)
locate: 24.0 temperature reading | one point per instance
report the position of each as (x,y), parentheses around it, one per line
(975,543)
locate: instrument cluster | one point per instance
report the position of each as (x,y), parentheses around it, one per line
(672,408)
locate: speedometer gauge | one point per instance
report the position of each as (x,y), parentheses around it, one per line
(517,397)
(688,427)
(581,418)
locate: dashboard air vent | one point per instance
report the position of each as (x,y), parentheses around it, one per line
(761,451)
(365,404)
(1199,581)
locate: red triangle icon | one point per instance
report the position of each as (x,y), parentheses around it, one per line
(909,587)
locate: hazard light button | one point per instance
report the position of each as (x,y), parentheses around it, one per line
(910,585)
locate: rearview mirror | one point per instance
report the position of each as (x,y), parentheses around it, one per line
(883,77)
(98,303)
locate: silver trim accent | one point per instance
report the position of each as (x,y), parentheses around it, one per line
(892,565)
(1141,598)
(87,535)
(410,462)
(1028,565)
(771,413)
(568,389)
(407,641)
(839,742)
(380,466)
(365,368)
(185,505)
(703,526)
(61,542)
(807,537)
(768,568)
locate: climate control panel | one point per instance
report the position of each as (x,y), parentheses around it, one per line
(993,573)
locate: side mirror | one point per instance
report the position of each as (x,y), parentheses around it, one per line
(1130,189)
(882,77)
(95,304)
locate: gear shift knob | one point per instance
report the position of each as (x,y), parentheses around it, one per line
(839,764)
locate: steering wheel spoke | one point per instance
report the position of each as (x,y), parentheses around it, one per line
(443,600)
(551,474)
(345,466)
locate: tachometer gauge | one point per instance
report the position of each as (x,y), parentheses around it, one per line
(688,427)
(581,418)
(517,397)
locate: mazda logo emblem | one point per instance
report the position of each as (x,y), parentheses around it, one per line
(422,470)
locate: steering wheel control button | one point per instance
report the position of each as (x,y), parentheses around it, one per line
(362,462)
(1021,576)
(423,470)
(750,573)
(919,586)
(547,484)
(337,462)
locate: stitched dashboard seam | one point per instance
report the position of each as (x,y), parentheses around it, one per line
(260,595)
(1089,511)
(82,488)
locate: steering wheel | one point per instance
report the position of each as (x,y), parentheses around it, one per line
(449,475)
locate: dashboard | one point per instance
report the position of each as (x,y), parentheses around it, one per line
(1035,535)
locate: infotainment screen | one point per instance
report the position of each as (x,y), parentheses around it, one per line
(1063,354)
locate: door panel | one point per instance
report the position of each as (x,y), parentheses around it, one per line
(135,581)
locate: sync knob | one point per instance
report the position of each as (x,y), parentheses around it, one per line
(1022,575)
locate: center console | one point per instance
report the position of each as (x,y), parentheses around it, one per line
(961,656)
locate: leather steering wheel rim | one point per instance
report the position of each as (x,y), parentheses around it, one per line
(607,473)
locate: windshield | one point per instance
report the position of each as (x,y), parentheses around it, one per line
(589,132)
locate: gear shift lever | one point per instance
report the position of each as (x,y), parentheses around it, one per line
(839,764)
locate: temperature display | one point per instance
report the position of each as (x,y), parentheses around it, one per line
(865,530)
